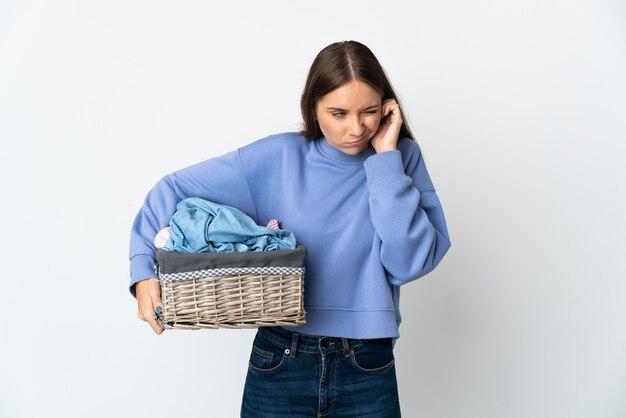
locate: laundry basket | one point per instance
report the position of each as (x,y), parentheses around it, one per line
(231,289)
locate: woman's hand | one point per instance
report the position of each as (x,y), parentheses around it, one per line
(148,293)
(386,137)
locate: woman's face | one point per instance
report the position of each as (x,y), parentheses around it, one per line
(349,116)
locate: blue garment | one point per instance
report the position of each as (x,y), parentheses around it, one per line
(298,376)
(371,222)
(199,225)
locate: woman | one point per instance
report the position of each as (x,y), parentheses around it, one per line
(353,188)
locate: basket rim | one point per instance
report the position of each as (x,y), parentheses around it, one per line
(169,262)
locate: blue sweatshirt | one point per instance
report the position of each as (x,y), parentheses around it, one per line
(371,222)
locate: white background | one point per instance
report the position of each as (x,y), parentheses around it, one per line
(520,109)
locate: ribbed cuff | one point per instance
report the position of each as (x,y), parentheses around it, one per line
(142,266)
(384,164)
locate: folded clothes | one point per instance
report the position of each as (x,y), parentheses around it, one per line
(162,237)
(164,234)
(199,225)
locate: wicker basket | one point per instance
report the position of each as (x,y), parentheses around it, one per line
(231,290)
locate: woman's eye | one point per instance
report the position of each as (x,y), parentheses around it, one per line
(369,112)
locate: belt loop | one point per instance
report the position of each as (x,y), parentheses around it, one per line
(346,346)
(294,344)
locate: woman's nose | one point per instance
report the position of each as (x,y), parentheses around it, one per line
(357,127)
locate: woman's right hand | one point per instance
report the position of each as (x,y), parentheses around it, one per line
(148,293)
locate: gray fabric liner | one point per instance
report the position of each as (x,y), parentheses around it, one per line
(177,262)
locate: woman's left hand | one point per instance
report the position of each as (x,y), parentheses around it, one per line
(386,137)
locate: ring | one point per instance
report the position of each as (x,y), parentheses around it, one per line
(159,314)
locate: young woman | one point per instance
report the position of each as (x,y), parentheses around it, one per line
(353,187)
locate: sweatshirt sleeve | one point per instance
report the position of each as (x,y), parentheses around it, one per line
(218,179)
(406,213)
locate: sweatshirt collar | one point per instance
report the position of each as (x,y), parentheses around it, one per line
(335,154)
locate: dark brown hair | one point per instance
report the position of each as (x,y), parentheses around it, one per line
(338,64)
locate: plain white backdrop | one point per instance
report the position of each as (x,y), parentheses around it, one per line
(519,107)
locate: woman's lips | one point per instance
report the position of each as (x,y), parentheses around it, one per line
(357,142)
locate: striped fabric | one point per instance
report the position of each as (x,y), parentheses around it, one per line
(273,224)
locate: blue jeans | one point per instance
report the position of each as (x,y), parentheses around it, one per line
(293,375)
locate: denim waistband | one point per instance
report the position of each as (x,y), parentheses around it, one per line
(307,343)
